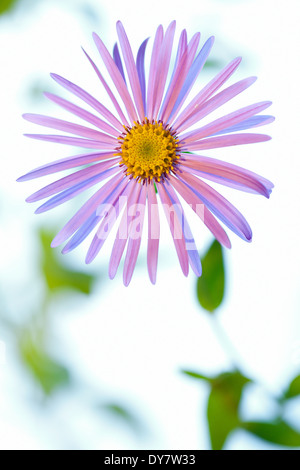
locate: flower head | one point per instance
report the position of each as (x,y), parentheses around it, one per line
(144,152)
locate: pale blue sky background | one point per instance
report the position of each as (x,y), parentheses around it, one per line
(134,340)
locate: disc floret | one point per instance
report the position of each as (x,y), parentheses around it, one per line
(149,150)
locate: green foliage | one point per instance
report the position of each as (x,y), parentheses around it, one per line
(223,411)
(7,5)
(226,389)
(196,375)
(123,415)
(223,406)
(277,432)
(210,287)
(58,276)
(212,64)
(294,389)
(48,373)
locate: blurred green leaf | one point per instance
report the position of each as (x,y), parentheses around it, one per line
(294,388)
(195,375)
(7,5)
(277,432)
(37,88)
(48,372)
(213,64)
(223,405)
(58,276)
(210,287)
(123,414)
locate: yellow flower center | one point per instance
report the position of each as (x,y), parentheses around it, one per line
(148,150)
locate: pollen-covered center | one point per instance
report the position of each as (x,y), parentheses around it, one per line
(148,150)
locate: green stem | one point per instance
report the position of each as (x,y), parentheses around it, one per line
(225,342)
(233,354)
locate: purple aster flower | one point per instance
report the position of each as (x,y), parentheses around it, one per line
(149,150)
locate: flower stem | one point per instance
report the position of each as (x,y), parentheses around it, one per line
(225,342)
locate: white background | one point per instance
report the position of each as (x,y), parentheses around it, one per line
(130,343)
